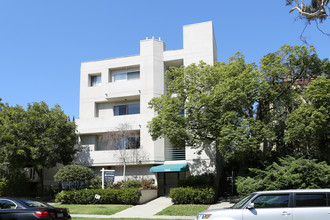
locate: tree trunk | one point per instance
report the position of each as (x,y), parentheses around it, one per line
(218,170)
(124,170)
(41,179)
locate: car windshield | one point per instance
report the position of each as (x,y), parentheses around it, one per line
(241,203)
(35,203)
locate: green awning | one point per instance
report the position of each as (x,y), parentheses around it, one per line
(169,168)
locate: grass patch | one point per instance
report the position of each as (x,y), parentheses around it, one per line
(94,209)
(183,210)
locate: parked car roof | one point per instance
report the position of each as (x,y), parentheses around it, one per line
(293,191)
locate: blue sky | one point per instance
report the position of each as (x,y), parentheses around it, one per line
(43,42)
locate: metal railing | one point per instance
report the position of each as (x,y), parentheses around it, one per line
(175,153)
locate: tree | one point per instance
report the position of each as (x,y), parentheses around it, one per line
(316,10)
(308,126)
(126,144)
(37,137)
(214,99)
(235,106)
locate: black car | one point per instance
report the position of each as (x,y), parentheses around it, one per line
(26,209)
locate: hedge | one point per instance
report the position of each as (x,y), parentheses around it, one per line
(189,195)
(106,196)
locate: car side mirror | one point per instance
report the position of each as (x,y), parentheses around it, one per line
(250,206)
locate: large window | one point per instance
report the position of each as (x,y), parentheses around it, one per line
(119,140)
(126,109)
(126,76)
(130,142)
(95,80)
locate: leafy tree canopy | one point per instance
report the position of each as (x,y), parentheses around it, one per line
(240,108)
(37,137)
(308,126)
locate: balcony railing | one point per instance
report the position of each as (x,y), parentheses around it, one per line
(175,154)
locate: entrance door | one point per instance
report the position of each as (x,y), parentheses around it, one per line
(171,181)
(166,181)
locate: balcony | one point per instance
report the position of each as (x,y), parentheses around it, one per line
(125,90)
(174,154)
(99,125)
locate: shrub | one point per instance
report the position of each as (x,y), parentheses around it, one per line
(132,184)
(95,183)
(15,183)
(66,197)
(129,195)
(116,185)
(74,176)
(189,195)
(74,173)
(107,196)
(148,184)
(289,173)
(205,180)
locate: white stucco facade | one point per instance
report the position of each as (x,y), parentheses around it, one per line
(112,90)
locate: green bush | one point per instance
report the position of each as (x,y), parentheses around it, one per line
(96,183)
(129,195)
(132,184)
(66,197)
(190,195)
(205,180)
(106,196)
(15,183)
(289,173)
(74,173)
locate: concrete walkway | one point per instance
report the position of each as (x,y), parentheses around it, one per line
(149,210)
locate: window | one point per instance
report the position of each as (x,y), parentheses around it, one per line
(126,76)
(130,142)
(133,75)
(119,77)
(126,109)
(272,201)
(119,140)
(6,204)
(311,200)
(241,203)
(35,203)
(95,80)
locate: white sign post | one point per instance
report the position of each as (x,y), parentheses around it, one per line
(108,176)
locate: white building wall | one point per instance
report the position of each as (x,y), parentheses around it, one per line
(199,43)
(152,67)
(97,102)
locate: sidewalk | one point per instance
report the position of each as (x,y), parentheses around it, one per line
(149,210)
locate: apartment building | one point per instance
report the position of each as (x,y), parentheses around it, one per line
(113,116)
